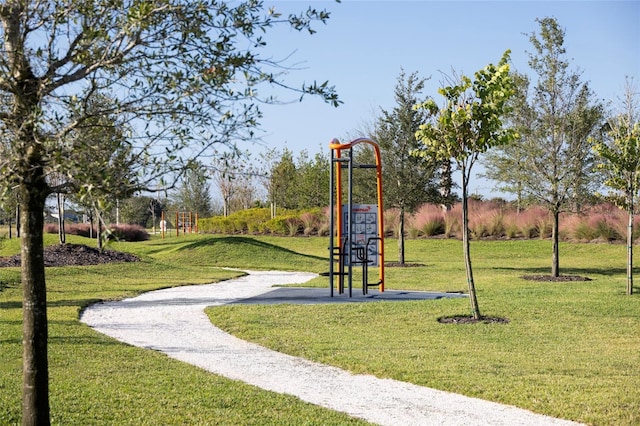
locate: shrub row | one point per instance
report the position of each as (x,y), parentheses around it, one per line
(259,221)
(486,220)
(122,232)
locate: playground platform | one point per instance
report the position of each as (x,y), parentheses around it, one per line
(316,295)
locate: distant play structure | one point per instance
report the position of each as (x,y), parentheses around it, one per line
(187,222)
(356,231)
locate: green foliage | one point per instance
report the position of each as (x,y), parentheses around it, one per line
(289,225)
(408,181)
(194,192)
(469,123)
(249,220)
(554,115)
(300,183)
(140,210)
(433,227)
(619,152)
(259,221)
(90,88)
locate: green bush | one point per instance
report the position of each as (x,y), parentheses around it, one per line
(258,221)
(284,225)
(436,226)
(244,221)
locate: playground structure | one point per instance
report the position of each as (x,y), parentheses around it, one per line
(187,222)
(358,228)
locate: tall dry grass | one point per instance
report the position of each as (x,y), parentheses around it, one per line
(487,219)
(427,221)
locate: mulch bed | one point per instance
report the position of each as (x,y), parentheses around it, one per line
(560,279)
(468,319)
(74,255)
(402,265)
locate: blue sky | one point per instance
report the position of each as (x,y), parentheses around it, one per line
(364,45)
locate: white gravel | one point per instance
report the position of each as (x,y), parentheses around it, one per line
(173,321)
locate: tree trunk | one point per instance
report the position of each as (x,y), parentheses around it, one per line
(630,251)
(35,387)
(401,237)
(18,220)
(61,230)
(555,257)
(475,309)
(99,229)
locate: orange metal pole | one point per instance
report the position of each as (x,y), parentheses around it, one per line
(380,216)
(338,147)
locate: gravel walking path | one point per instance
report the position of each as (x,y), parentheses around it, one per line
(173,321)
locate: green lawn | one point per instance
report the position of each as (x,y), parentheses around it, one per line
(95,380)
(570,349)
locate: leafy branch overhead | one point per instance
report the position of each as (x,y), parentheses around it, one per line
(179,73)
(469,121)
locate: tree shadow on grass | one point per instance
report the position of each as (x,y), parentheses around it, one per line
(245,241)
(584,272)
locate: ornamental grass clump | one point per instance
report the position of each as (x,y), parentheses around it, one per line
(529,221)
(486,219)
(452,218)
(391,222)
(428,221)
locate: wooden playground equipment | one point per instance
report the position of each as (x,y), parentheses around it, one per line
(359,229)
(187,222)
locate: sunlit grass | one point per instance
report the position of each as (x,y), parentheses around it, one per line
(570,349)
(97,380)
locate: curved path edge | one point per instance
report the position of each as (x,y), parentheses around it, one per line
(173,321)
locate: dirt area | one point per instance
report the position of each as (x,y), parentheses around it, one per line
(74,255)
(402,265)
(560,279)
(468,319)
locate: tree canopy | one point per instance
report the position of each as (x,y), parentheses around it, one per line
(181,76)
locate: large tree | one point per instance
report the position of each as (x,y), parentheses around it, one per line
(233,177)
(467,125)
(282,188)
(555,116)
(619,158)
(102,139)
(408,181)
(193,194)
(137,210)
(185,76)
(313,180)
